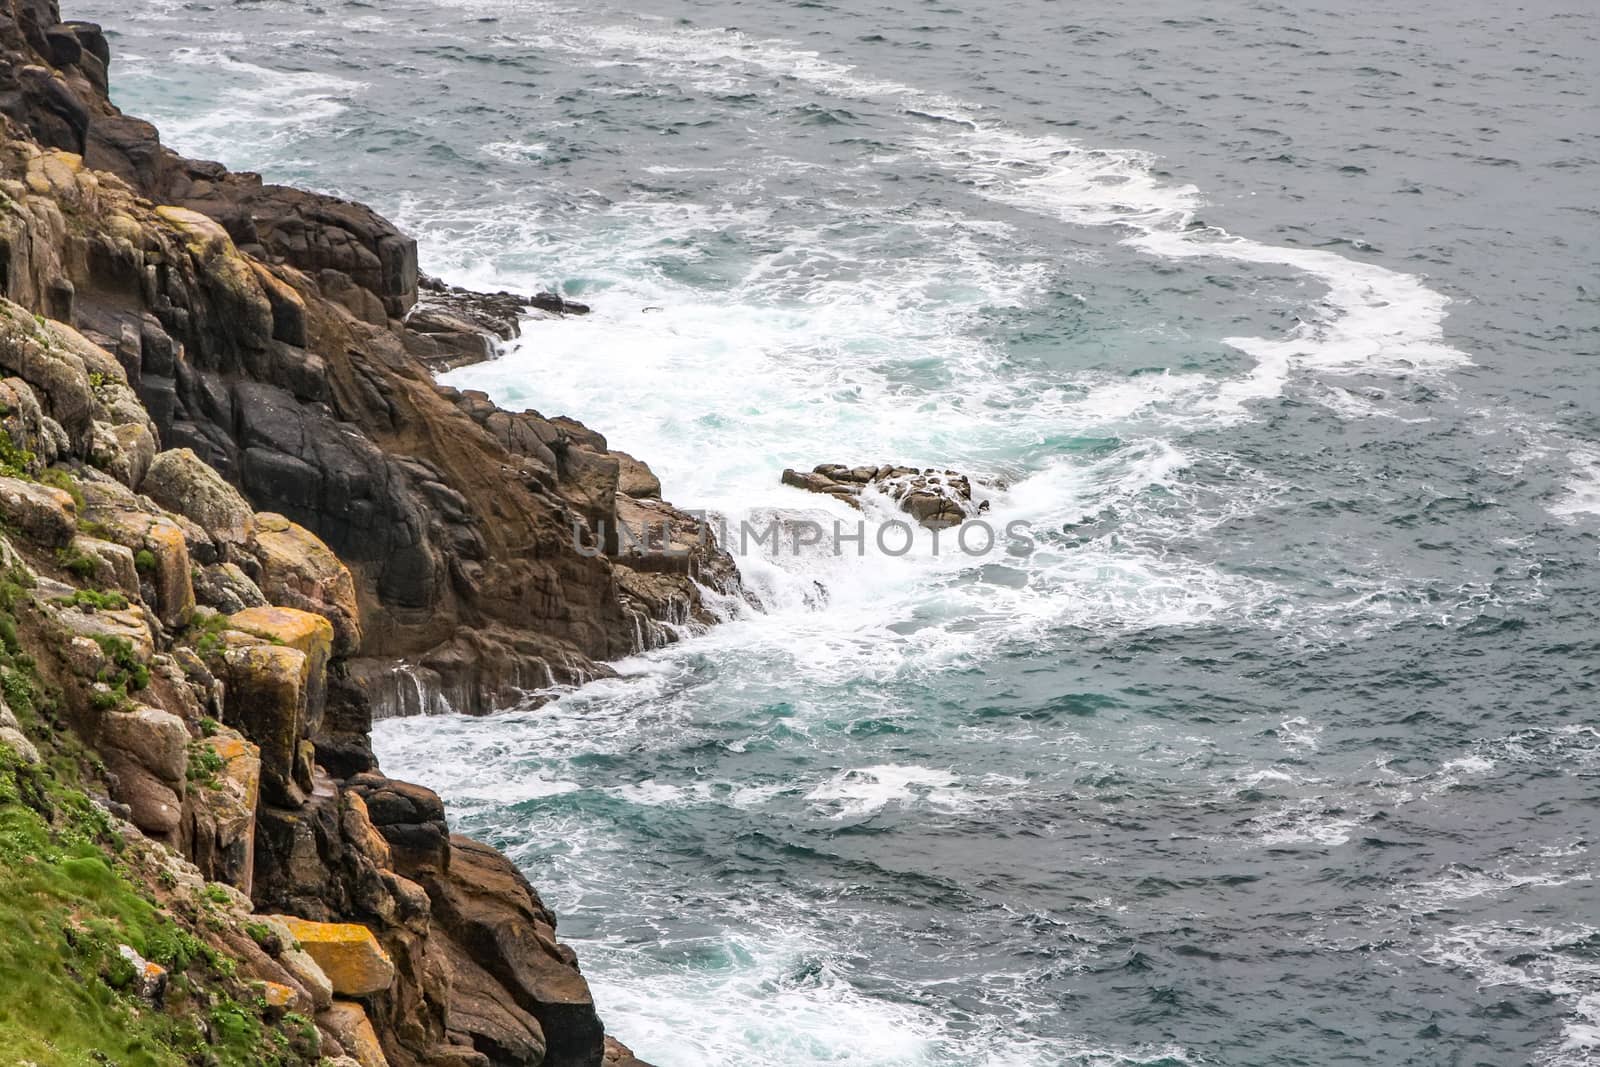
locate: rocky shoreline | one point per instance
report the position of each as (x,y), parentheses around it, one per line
(240,520)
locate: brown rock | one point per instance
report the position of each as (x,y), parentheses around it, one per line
(223,838)
(486,907)
(635,479)
(349,1024)
(114,564)
(155,806)
(156,740)
(225,587)
(299,964)
(304,631)
(161,537)
(936,499)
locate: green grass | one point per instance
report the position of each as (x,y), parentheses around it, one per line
(126,669)
(62,480)
(67,901)
(64,909)
(77,563)
(94,600)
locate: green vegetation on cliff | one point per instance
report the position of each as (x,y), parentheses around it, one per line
(68,901)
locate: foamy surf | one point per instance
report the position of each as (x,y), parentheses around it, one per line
(1294,660)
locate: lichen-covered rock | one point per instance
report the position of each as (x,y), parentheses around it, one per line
(278,997)
(115,566)
(40,513)
(227,588)
(109,624)
(298,570)
(12,736)
(298,963)
(149,978)
(260,327)
(222,837)
(124,452)
(348,953)
(24,422)
(180,481)
(57,375)
(158,542)
(309,633)
(267,703)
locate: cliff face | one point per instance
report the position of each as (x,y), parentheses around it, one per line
(231,498)
(264,328)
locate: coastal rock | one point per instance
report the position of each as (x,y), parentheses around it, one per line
(227,588)
(267,703)
(114,565)
(307,633)
(298,570)
(154,805)
(486,907)
(355,964)
(935,498)
(348,1022)
(620,1055)
(314,483)
(149,979)
(11,735)
(39,512)
(635,479)
(222,815)
(452,327)
(298,963)
(158,741)
(160,546)
(24,422)
(179,481)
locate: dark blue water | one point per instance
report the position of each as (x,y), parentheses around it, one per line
(1279,325)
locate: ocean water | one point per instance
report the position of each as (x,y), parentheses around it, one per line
(1280,325)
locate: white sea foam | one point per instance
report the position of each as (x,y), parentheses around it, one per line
(866,790)
(1367,317)
(1581,495)
(251,114)
(1549,961)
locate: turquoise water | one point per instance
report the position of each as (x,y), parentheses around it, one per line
(1277,325)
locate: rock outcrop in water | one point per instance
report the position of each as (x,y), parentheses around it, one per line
(935,498)
(234,504)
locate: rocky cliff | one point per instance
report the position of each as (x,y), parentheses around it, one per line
(237,519)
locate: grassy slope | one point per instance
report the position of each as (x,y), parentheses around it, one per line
(72,891)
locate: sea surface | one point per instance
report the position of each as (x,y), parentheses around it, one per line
(1279,323)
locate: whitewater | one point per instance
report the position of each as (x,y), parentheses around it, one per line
(1273,751)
